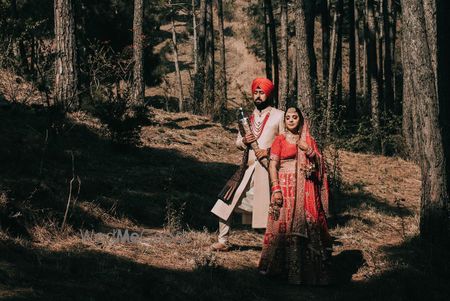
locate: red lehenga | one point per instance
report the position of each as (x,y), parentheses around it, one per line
(298,245)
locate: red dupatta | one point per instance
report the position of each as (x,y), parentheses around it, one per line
(313,190)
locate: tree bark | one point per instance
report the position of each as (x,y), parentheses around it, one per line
(419,36)
(177,66)
(274,51)
(357,48)
(199,80)
(305,90)
(393,37)
(352,59)
(443,59)
(195,44)
(407,116)
(379,25)
(388,74)
(365,82)
(284,54)
(267,44)
(339,54)
(310,14)
(138,70)
(223,72)
(65,91)
(332,75)
(325,23)
(372,67)
(292,98)
(209,94)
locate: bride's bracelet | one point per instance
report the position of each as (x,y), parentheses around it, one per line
(276,188)
(310,151)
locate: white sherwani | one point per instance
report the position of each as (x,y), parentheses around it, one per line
(253,193)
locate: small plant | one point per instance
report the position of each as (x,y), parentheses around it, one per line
(174,217)
(205,260)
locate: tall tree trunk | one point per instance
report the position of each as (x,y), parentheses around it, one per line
(65,92)
(332,75)
(199,80)
(339,54)
(407,114)
(372,68)
(209,94)
(379,25)
(388,75)
(365,82)
(223,71)
(177,66)
(357,48)
(306,97)
(267,44)
(292,98)
(443,61)
(274,50)
(195,44)
(420,42)
(393,38)
(138,71)
(284,54)
(310,14)
(325,23)
(352,59)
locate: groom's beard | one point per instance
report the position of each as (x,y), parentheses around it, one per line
(262,105)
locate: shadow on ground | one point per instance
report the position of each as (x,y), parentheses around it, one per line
(78,274)
(131,182)
(354,196)
(137,183)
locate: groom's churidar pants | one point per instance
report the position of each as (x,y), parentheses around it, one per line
(245,206)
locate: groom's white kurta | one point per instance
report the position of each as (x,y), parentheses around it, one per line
(253,193)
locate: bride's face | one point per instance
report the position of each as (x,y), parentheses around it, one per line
(292,120)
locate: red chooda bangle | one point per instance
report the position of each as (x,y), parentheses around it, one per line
(276,188)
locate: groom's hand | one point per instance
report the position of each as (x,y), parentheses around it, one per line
(249,139)
(261,153)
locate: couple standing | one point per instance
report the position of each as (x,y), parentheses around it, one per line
(289,198)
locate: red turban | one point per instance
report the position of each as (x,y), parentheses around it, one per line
(264,84)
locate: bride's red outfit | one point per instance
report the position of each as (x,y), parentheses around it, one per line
(297,244)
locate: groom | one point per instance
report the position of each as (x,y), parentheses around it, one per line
(252,197)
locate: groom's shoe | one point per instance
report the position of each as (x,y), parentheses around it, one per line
(221,247)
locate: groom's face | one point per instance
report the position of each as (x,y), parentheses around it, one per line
(259,97)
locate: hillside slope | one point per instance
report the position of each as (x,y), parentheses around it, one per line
(164,190)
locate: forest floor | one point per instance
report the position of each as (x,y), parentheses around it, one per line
(163,190)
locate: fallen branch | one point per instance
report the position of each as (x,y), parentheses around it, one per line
(70,190)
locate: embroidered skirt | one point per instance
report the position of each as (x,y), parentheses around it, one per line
(289,255)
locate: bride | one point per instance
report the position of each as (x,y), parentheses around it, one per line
(297,245)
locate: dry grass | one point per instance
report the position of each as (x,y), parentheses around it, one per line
(17,89)
(375,225)
(184,159)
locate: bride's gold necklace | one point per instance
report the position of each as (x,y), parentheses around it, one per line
(292,138)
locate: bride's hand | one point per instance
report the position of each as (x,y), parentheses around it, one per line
(302,145)
(277,198)
(275,205)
